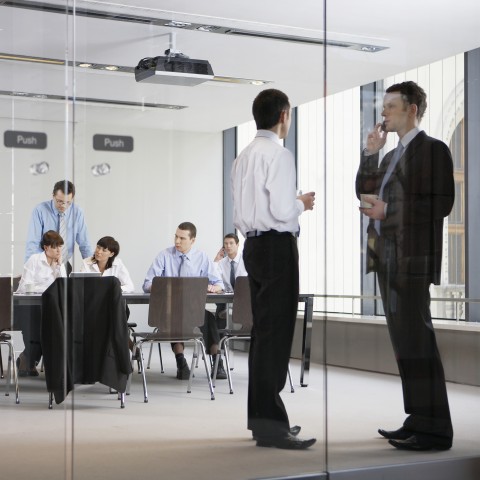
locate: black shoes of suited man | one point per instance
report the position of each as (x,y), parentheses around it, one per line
(289,441)
(404,439)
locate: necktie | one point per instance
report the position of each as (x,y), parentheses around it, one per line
(397,154)
(232,273)
(181,269)
(62,230)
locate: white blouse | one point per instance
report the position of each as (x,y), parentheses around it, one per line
(118,269)
(38,272)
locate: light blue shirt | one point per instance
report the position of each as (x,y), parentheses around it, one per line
(196,264)
(45,217)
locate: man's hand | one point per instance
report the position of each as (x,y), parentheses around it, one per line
(377,212)
(376,139)
(308,200)
(219,255)
(214,289)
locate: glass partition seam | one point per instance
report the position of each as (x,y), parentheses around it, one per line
(324,203)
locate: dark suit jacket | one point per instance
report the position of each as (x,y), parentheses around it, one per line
(84,322)
(419,193)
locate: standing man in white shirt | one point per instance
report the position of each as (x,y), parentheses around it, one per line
(266,211)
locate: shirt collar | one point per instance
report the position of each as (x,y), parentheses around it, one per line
(409,136)
(187,255)
(269,134)
(236,259)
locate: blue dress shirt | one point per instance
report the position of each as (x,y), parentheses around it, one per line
(196,264)
(45,217)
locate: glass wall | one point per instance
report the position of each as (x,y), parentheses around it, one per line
(144,156)
(146,151)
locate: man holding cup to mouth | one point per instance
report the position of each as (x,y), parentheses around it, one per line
(410,192)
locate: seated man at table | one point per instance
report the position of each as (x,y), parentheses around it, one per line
(230,265)
(184,260)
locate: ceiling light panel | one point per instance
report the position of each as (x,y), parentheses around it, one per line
(201,27)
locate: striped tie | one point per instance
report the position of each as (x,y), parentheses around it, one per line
(232,274)
(182,268)
(62,230)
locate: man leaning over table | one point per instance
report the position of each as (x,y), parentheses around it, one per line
(61,215)
(184,260)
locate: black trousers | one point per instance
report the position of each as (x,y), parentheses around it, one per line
(406,301)
(272,266)
(209,330)
(28,319)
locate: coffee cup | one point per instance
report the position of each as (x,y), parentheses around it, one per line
(366,200)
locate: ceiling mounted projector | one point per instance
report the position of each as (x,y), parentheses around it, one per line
(173,69)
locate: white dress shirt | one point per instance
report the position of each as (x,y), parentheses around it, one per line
(263,186)
(118,269)
(224,270)
(37,271)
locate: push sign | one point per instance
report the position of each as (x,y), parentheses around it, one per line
(113,143)
(17,139)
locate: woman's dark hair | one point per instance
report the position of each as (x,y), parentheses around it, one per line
(51,239)
(110,244)
(267,107)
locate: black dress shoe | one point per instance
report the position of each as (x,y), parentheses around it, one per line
(288,442)
(21,373)
(415,444)
(221,373)
(295,430)
(401,434)
(183,372)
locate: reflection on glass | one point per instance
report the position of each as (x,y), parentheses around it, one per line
(39,168)
(100,169)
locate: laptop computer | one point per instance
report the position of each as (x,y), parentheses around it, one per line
(85,274)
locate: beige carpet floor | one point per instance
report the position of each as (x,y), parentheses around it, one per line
(182,436)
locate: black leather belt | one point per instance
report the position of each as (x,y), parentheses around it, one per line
(259,233)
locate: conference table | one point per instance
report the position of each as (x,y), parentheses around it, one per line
(212,298)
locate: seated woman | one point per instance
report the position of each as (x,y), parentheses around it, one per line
(105,261)
(39,272)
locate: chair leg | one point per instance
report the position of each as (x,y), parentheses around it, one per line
(144,380)
(1,363)
(292,390)
(161,359)
(202,348)
(121,397)
(12,360)
(50,400)
(227,364)
(150,356)
(11,371)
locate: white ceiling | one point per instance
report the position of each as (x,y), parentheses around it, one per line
(416,34)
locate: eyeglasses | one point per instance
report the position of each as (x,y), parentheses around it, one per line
(61,203)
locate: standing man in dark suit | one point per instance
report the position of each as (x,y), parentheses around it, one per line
(415,189)
(266,211)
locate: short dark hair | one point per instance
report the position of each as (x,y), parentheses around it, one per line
(267,108)
(51,239)
(110,244)
(412,94)
(61,186)
(232,235)
(190,227)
